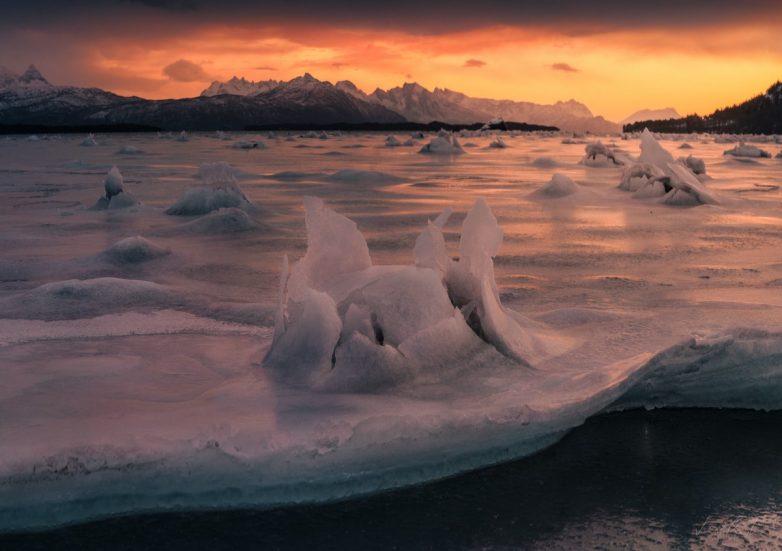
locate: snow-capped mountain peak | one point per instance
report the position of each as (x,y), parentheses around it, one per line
(30,79)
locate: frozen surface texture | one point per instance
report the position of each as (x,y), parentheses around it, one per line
(359,317)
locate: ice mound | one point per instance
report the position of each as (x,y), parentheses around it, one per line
(600,155)
(696,165)
(346,325)
(133,250)
(498,143)
(220,190)
(76,298)
(657,175)
(559,186)
(685,145)
(89,141)
(221,221)
(744,150)
(113,183)
(183,137)
(115,196)
(248,145)
(363,176)
(129,150)
(545,162)
(391,141)
(444,144)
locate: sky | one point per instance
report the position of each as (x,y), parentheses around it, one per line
(616,56)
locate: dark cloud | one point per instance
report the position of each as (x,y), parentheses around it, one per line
(567,68)
(474,63)
(265,68)
(173,5)
(183,70)
(435,16)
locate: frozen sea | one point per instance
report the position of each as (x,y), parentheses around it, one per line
(133,381)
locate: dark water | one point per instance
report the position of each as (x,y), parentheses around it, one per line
(641,480)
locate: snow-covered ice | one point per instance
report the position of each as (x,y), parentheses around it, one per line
(414,317)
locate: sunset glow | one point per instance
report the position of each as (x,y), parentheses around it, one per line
(615,63)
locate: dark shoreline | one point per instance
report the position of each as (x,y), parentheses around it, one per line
(604,483)
(11,129)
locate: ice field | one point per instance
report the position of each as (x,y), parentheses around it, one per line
(158,352)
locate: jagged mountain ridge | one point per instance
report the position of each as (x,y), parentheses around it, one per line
(30,99)
(418,104)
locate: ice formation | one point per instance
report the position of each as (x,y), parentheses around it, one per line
(89,141)
(183,137)
(744,150)
(544,162)
(498,143)
(559,186)
(129,150)
(600,155)
(685,145)
(696,165)
(221,221)
(444,143)
(346,325)
(657,175)
(779,155)
(220,190)
(391,141)
(115,196)
(133,250)
(113,183)
(248,145)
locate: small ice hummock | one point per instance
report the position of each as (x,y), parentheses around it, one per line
(779,155)
(129,150)
(345,325)
(657,175)
(685,145)
(115,196)
(744,150)
(445,143)
(220,190)
(89,141)
(498,143)
(600,155)
(697,165)
(133,250)
(559,186)
(391,141)
(242,144)
(183,137)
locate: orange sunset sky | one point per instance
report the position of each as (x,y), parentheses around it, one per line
(614,56)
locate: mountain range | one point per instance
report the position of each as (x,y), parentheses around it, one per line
(30,99)
(761,114)
(418,104)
